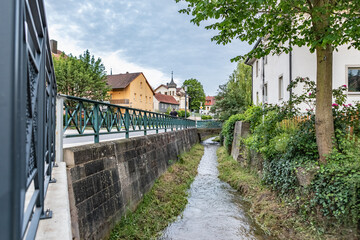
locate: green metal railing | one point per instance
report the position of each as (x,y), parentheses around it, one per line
(208,124)
(94,118)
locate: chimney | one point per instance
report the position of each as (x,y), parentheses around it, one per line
(53,46)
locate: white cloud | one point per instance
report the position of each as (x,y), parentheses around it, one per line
(142,36)
(118,63)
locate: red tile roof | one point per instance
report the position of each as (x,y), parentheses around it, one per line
(58,54)
(209,101)
(121,81)
(166,98)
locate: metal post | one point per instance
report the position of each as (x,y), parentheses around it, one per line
(157,123)
(59,128)
(127,123)
(12,92)
(96,123)
(145,123)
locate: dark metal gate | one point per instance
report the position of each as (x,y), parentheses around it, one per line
(27,107)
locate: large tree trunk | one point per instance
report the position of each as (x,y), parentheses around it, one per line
(324,123)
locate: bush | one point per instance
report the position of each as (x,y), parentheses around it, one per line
(287,144)
(181,113)
(206,117)
(227,132)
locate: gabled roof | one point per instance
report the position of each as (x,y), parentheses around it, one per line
(162,85)
(122,80)
(166,99)
(58,54)
(250,61)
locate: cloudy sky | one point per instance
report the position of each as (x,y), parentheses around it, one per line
(148,36)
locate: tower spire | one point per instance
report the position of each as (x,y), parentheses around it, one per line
(172,84)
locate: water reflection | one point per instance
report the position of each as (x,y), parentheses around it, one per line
(214,209)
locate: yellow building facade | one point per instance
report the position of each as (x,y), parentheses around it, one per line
(131,90)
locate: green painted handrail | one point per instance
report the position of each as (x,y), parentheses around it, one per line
(105,118)
(208,124)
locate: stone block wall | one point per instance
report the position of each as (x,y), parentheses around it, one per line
(241,130)
(204,132)
(107,179)
(246,157)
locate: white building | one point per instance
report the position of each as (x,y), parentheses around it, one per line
(272,74)
(172,90)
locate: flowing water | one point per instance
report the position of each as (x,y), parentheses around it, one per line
(214,209)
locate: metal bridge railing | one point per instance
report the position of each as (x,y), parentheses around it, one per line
(28,95)
(94,118)
(208,124)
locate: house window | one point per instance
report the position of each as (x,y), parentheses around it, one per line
(145,99)
(265,92)
(353,78)
(281,88)
(257,68)
(165,93)
(140,85)
(265,59)
(140,97)
(257,98)
(134,96)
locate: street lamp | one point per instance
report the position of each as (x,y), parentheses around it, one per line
(186,87)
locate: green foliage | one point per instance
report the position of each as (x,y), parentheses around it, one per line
(164,202)
(206,117)
(304,23)
(82,77)
(168,110)
(337,186)
(234,96)
(181,113)
(196,93)
(227,131)
(287,146)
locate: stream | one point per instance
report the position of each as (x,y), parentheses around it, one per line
(214,209)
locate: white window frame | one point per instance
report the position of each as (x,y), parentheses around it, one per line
(266,96)
(281,87)
(347,79)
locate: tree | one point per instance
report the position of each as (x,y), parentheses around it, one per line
(82,77)
(322,25)
(196,93)
(234,96)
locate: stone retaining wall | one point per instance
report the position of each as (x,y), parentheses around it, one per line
(246,157)
(107,179)
(205,132)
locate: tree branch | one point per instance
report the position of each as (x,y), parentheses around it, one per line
(310,4)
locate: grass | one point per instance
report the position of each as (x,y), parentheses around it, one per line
(165,201)
(275,216)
